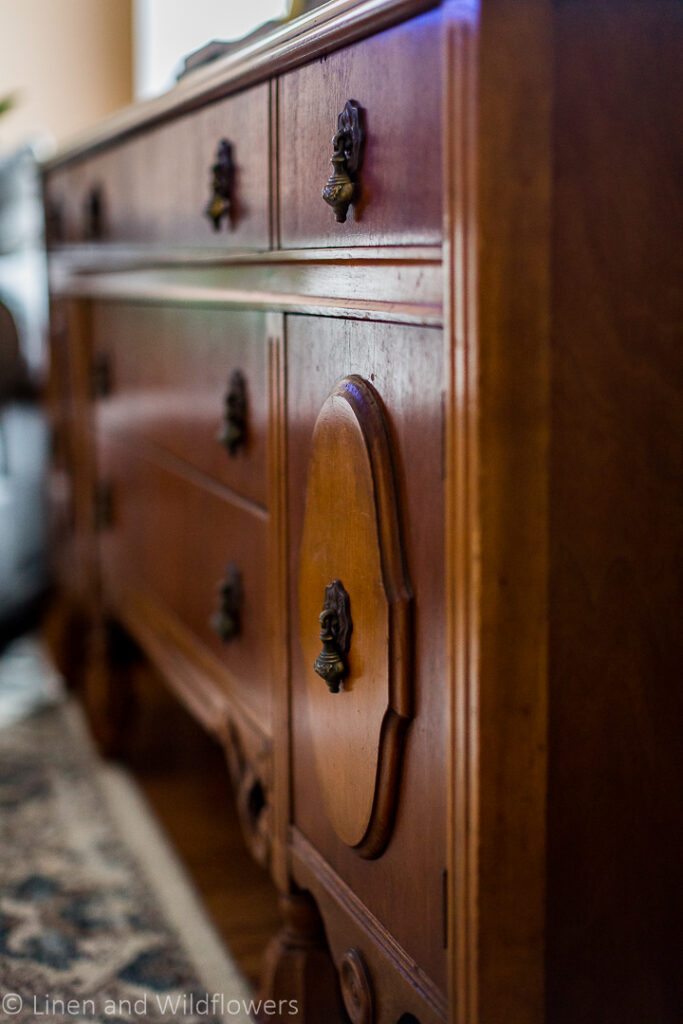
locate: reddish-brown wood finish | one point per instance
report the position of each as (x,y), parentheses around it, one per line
(169,371)
(400,179)
(404,366)
(352,535)
(497,473)
(154,546)
(615,770)
(156,186)
(525,370)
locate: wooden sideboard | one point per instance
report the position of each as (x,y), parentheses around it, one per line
(384,484)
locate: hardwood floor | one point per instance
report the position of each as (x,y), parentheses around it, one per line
(183,774)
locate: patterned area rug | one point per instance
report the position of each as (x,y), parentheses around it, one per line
(97,921)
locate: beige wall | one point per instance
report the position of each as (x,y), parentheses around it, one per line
(70,61)
(167,30)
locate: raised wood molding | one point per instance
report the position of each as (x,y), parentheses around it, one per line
(364,290)
(352,533)
(277,561)
(462,539)
(107,256)
(180,467)
(313,872)
(498,180)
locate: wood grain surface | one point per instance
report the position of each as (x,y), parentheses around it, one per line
(155,546)
(169,372)
(352,535)
(155,187)
(616,702)
(398,86)
(405,366)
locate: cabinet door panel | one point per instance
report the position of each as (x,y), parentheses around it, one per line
(403,368)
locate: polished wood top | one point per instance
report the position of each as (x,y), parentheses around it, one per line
(327,28)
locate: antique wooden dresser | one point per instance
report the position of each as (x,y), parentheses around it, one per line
(362,381)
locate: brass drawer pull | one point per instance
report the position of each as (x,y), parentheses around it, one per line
(221,203)
(347,156)
(233,430)
(335,619)
(227,620)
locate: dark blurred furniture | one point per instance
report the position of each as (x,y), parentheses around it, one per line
(23,431)
(386,486)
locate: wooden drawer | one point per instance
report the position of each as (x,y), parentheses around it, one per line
(396,80)
(165,373)
(156,187)
(364,451)
(173,541)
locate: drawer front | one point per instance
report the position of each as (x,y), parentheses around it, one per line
(182,379)
(156,187)
(395,78)
(177,543)
(364,448)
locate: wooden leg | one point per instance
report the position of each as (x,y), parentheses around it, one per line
(298,973)
(108,694)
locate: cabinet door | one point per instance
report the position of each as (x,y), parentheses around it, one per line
(366,515)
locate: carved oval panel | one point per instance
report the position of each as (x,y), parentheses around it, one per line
(352,535)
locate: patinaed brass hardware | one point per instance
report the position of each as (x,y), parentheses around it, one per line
(233,429)
(347,156)
(221,203)
(336,623)
(226,622)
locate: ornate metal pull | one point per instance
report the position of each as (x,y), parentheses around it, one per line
(226,622)
(347,156)
(221,203)
(337,626)
(233,430)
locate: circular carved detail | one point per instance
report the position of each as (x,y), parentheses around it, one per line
(356,988)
